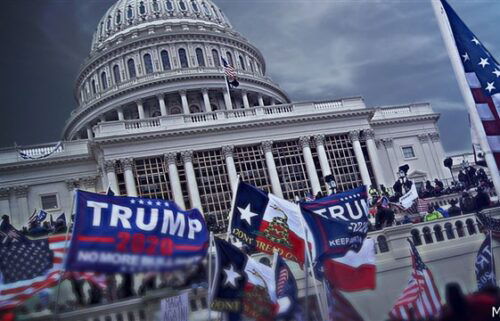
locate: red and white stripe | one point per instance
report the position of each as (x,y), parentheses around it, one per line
(282,279)
(488,108)
(13,294)
(230,71)
(420,299)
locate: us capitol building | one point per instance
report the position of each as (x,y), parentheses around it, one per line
(154,119)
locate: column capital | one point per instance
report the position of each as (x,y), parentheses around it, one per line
(227,151)
(304,141)
(204,90)
(127,163)
(423,138)
(138,101)
(171,158)
(388,142)
(319,139)
(354,135)
(21,190)
(72,184)
(89,181)
(434,136)
(369,133)
(160,96)
(182,92)
(267,146)
(187,156)
(5,192)
(109,166)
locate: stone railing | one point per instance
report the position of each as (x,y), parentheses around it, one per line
(72,148)
(258,113)
(383,113)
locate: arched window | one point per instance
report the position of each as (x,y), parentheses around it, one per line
(206,10)
(94,89)
(415,235)
(216,58)
(214,107)
(470,226)
(101,32)
(182,5)
(104,80)
(382,244)
(148,64)
(156,6)
(450,235)
(165,60)
(118,19)
(215,12)
(242,63)
(460,228)
(230,58)
(108,23)
(183,58)
(200,57)
(169,5)
(116,74)
(195,6)
(251,66)
(175,111)
(142,8)
(265,261)
(427,235)
(131,68)
(193,109)
(130,12)
(438,233)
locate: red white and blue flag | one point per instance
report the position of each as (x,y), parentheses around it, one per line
(286,291)
(230,73)
(242,286)
(265,222)
(483,76)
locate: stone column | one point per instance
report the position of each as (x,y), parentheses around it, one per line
(173,176)
(438,155)
(231,168)
(109,167)
(310,167)
(194,194)
(102,118)
(128,173)
(373,153)
(4,202)
(119,111)
(161,102)
(360,158)
(323,157)
(246,103)
(23,213)
(428,157)
(140,109)
(206,100)
(391,155)
(90,134)
(227,100)
(273,101)
(184,101)
(267,146)
(261,100)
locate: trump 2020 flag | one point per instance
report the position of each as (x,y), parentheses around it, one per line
(117,234)
(242,286)
(265,222)
(485,265)
(337,223)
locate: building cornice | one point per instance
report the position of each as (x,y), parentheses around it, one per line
(408,119)
(45,162)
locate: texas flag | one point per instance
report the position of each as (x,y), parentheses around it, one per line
(264,222)
(353,271)
(242,286)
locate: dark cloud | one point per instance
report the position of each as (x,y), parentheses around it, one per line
(390,52)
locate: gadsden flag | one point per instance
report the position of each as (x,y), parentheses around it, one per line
(265,222)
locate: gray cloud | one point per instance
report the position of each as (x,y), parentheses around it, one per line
(390,52)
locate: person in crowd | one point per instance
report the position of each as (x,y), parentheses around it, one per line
(126,288)
(111,289)
(463,179)
(481,174)
(383,190)
(432,214)
(95,294)
(60,226)
(467,204)
(429,189)
(454,210)
(373,191)
(406,219)
(471,175)
(36,230)
(482,199)
(438,187)
(77,286)
(441,210)
(384,217)
(319,195)
(398,189)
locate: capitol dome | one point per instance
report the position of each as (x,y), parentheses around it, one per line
(152,60)
(128,15)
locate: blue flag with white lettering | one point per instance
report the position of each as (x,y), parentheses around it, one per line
(485,265)
(337,223)
(117,234)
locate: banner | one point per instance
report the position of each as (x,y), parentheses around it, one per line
(116,234)
(175,308)
(407,199)
(485,265)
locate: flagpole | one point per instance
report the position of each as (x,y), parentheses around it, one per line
(210,276)
(63,269)
(309,260)
(306,270)
(459,71)
(233,202)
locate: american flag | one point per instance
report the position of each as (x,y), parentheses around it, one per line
(339,308)
(490,224)
(420,299)
(483,76)
(29,266)
(228,69)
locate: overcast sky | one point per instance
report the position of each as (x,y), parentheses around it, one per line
(389,52)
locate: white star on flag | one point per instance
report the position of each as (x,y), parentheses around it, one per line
(132,201)
(497,72)
(483,62)
(141,202)
(150,203)
(474,40)
(247,214)
(490,87)
(466,57)
(231,276)
(158,203)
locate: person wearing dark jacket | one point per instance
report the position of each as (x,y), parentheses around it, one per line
(482,199)
(454,210)
(467,204)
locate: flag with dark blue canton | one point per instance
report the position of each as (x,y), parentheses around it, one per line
(9,234)
(485,265)
(490,224)
(38,217)
(230,73)
(286,291)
